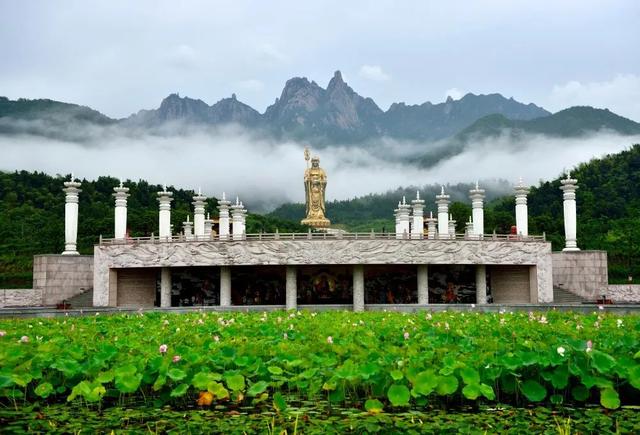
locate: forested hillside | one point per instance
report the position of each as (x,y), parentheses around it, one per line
(32,218)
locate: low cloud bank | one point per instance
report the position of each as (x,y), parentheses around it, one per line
(266,173)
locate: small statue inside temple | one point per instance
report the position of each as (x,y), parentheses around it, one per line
(315,182)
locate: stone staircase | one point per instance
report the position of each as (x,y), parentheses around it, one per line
(81,300)
(561,296)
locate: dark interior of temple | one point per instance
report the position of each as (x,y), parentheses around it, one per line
(266,285)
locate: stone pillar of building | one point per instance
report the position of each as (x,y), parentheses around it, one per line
(165,287)
(164,198)
(452,227)
(243,221)
(431,226)
(223,207)
(358,287)
(208,227)
(417,229)
(188,229)
(477,210)
(291,287)
(225,286)
(443,214)
(423,284)
(481,284)
(238,219)
(71,217)
(522,219)
(569,186)
(198,215)
(396,214)
(120,226)
(405,226)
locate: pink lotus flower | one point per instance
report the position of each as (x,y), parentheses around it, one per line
(216,338)
(176,358)
(589,346)
(406,335)
(330,339)
(165,323)
(163,348)
(3,333)
(200,322)
(24,339)
(285,336)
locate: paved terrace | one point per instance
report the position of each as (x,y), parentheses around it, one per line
(529,258)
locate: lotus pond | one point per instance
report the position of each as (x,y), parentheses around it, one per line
(295,370)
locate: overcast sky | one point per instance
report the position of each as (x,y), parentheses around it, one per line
(122,56)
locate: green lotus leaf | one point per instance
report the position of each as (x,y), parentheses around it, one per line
(373,406)
(217,390)
(580,393)
(235,382)
(128,383)
(104,377)
(472,391)
(279,404)
(634,377)
(180,390)
(447,385)
(275,370)
(44,389)
(257,388)
(425,382)
(560,377)
(470,375)
(396,375)
(398,395)
(602,362)
(533,391)
(609,398)
(176,374)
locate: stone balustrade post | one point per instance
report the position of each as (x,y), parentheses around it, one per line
(165,198)
(477,196)
(417,229)
(431,226)
(198,215)
(522,218)
(223,207)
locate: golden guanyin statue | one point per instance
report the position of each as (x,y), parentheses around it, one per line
(315,182)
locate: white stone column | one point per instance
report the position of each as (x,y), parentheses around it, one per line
(443,214)
(165,287)
(188,229)
(423,284)
(243,221)
(477,210)
(522,219)
(396,214)
(121,194)
(223,207)
(237,218)
(208,227)
(481,284)
(71,217)
(403,212)
(452,227)
(431,226)
(569,186)
(417,229)
(164,198)
(291,287)
(225,286)
(358,287)
(198,215)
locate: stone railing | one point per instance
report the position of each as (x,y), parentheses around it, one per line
(624,292)
(20,298)
(316,236)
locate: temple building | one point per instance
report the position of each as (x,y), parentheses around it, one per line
(214,262)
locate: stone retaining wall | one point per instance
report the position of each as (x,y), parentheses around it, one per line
(583,273)
(624,293)
(20,298)
(60,277)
